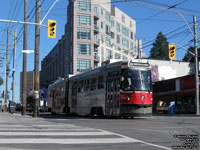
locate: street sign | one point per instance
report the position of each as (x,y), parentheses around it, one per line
(28,51)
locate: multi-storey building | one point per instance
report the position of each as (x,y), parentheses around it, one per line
(94,32)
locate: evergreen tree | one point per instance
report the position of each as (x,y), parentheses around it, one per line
(160,47)
(188,56)
(1,81)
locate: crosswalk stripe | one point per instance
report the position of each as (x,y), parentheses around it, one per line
(66,141)
(55,133)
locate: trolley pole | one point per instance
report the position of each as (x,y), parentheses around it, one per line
(24,78)
(36,63)
(196,67)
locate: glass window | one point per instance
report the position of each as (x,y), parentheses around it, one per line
(83,34)
(112,35)
(102,11)
(132,35)
(109,54)
(136,80)
(117,56)
(107,16)
(102,54)
(131,46)
(108,42)
(118,39)
(95,11)
(112,23)
(118,27)
(83,6)
(87,85)
(101,82)
(125,43)
(83,49)
(93,83)
(83,64)
(123,18)
(101,25)
(108,31)
(125,31)
(83,20)
(80,87)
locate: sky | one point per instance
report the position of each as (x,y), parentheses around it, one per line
(151,16)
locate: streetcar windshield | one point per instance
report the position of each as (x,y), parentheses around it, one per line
(136,80)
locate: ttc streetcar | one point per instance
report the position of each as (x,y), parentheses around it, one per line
(117,89)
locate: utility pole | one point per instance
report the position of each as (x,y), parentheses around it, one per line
(36,63)
(139,50)
(196,67)
(6,75)
(14,59)
(24,78)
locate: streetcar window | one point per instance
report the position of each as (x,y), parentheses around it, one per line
(81,86)
(93,83)
(87,85)
(136,80)
(100,82)
(74,89)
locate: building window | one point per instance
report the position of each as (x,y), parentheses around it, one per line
(118,27)
(84,6)
(123,18)
(102,54)
(125,31)
(131,46)
(107,16)
(83,34)
(71,68)
(95,11)
(83,20)
(71,51)
(83,49)
(118,39)
(125,43)
(101,25)
(108,42)
(117,56)
(83,64)
(109,54)
(108,30)
(125,58)
(102,11)
(132,35)
(112,23)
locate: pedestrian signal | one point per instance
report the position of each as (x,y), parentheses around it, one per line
(172,51)
(51,28)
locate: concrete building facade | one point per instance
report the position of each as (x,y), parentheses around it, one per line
(94,32)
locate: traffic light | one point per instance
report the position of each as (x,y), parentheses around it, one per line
(172,51)
(51,28)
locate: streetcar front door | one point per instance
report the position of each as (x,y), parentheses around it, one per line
(112,95)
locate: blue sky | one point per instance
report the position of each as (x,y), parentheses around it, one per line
(152,16)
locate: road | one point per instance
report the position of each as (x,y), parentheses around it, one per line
(50,132)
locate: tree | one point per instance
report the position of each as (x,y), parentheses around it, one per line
(188,56)
(1,81)
(160,47)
